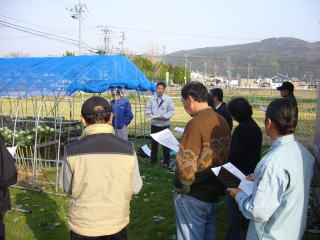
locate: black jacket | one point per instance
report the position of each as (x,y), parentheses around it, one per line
(245,146)
(8,176)
(224,112)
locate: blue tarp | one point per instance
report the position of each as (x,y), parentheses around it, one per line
(25,77)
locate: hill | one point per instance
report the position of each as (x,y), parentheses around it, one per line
(290,56)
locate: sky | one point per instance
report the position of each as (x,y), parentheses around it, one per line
(150,26)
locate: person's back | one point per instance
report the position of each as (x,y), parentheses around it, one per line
(246,138)
(101,191)
(100,173)
(244,153)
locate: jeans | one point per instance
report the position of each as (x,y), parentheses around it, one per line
(195,218)
(154,146)
(122,235)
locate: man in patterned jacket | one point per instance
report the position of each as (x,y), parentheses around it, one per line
(205,144)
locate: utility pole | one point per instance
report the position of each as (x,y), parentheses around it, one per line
(77,13)
(185,69)
(229,74)
(215,70)
(205,69)
(121,43)
(249,70)
(106,31)
(164,54)
(190,63)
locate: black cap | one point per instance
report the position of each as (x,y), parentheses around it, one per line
(286,86)
(93,105)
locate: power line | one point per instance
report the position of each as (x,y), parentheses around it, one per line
(37,25)
(41,33)
(183,34)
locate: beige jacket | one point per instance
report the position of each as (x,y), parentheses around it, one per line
(100,173)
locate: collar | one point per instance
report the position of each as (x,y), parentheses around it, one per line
(218,106)
(282,140)
(199,110)
(97,128)
(155,96)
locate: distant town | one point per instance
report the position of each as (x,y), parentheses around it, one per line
(252,82)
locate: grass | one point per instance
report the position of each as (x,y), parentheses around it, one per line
(47,220)
(152,213)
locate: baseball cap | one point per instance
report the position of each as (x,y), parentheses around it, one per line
(286,86)
(93,105)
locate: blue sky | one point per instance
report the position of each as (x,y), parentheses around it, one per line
(150,25)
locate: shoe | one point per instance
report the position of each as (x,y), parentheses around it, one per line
(165,165)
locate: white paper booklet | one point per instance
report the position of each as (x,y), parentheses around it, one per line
(146,150)
(12,150)
(245,185)
(166,138)
(179,129)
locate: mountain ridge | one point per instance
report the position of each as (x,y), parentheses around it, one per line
(291,56)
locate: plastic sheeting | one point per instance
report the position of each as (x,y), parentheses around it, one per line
(25,77)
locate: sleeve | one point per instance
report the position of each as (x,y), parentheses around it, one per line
(8,170)
(149,107)
(267,198)
(128,114)
(136,178)
(186,159)
(170,111)
(65,177)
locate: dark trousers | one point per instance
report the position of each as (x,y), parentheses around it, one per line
(238,224)
(122,235)
(154,146)
(2,227)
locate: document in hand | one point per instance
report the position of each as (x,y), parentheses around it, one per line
(167,139)
(146,150)
(12,150)
(232,177)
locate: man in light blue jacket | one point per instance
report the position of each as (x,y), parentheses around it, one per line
(159,110)
(278,206)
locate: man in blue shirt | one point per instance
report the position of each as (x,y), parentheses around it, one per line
(122,114)
(277,209)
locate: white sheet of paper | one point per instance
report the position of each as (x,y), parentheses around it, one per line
(12,150)
(231,168)
(246,186)
(179,129)
(216,170)
(235,171)
(263,108)
(146,150)
(166,138)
